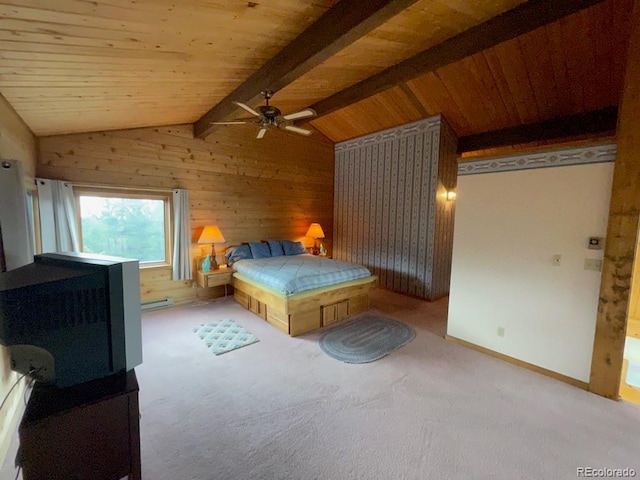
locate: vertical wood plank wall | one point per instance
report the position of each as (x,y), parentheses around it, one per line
(385,209)
(445,213)
(252,189)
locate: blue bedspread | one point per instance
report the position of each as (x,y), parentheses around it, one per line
(297,273)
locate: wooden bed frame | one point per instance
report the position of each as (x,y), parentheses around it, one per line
(305,311)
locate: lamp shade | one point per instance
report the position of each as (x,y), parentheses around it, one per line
(315,231)
(211,234)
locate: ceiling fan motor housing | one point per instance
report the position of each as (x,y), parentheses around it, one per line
(269,112)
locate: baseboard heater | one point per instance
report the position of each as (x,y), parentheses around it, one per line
(157,304)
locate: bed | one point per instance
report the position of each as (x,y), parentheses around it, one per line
(298,293)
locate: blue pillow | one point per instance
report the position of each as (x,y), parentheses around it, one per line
(276,248)
(240,252)
(293,248)
(259,249)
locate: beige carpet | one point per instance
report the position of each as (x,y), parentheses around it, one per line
(282,409)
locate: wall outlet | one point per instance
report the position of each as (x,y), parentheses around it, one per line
(500,331)
(593,264)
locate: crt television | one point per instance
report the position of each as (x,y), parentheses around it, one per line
(70,318)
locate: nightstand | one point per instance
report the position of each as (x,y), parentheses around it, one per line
(215,278)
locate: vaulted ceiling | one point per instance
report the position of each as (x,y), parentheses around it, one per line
(75,65)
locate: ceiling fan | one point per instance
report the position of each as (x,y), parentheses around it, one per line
(269,116)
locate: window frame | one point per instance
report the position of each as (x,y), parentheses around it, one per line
(114,192)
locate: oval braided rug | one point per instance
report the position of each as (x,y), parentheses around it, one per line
(368,337)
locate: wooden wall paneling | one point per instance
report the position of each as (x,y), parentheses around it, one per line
(595,32)
(622,232)
(414,101)
(502,85)
(515,72)
(575,64)
(390,108)
(443,233)
(481,91)
(621,25)
(417,28)
(498,30)
(457,92)
(331,33)
(431,92)
(462,82)
(540,71)
(604,53)
(253,189)
(142,37)
(550,72)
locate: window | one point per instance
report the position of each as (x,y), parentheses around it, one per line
(123,224)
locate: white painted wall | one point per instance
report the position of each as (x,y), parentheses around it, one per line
(508,226)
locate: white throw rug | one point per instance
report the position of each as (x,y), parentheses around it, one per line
(224,336)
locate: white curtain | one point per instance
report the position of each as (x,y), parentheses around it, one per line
(58,216)
(31,219)
(181,236)
(14,220)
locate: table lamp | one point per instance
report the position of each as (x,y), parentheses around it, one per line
(315,232)
(211,234)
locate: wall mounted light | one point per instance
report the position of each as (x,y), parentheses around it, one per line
(450,195)
(211,234)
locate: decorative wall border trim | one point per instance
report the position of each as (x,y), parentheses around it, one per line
(555,158)
(425,125)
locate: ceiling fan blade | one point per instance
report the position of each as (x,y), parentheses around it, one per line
(261,133)
(228,123)
(301,131)
(247,108)
(306,113)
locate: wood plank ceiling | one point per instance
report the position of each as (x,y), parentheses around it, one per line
(571,66)
(75,66)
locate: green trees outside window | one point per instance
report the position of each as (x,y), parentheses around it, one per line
(124,227)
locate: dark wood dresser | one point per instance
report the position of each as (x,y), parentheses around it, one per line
(89,431)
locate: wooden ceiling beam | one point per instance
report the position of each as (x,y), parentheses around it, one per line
(506,26)
(595,123)
(340,26)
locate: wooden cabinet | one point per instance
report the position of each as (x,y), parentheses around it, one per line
(335,312)
(214,278)
(258,308)
(84,432)
(250,303)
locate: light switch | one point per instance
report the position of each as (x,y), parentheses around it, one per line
(593,264)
